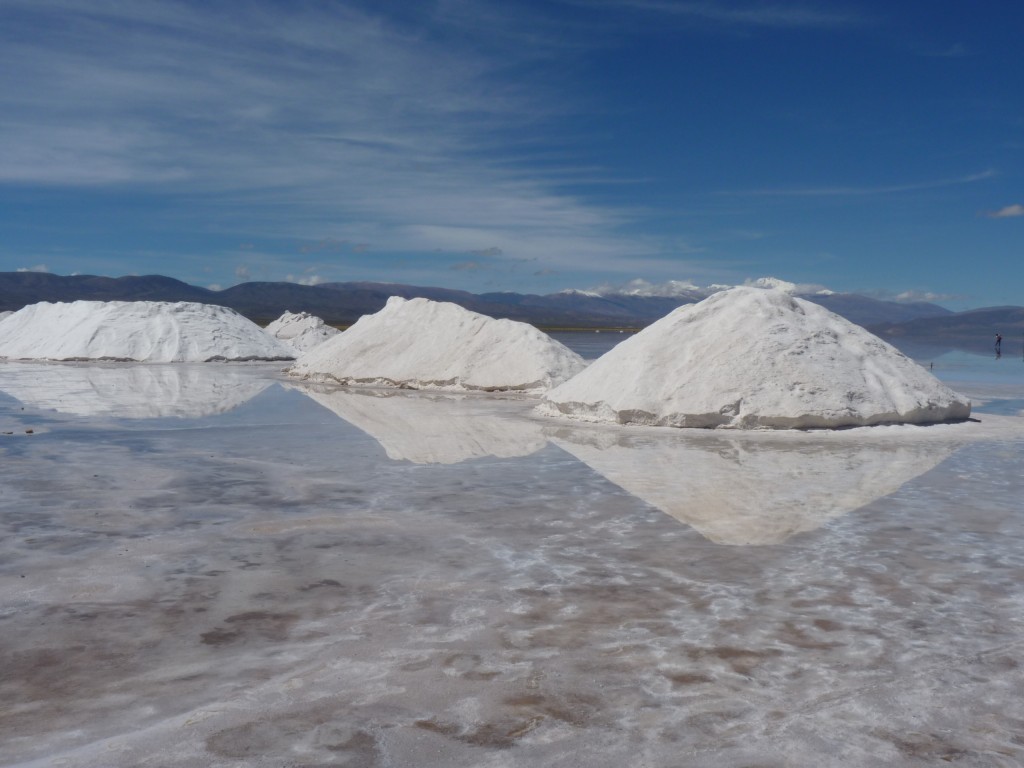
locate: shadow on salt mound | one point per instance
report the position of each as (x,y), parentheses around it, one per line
(300,330)
(751,490)
(131,391)
(755,358)
(138,331)
(431,428)
(423,344)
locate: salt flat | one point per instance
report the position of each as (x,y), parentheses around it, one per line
(296,581)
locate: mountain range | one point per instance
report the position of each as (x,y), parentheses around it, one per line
(903,323)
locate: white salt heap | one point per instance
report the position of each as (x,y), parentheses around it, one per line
(300,330)
(750,358)
(143,331)
(423,344)
(8,313)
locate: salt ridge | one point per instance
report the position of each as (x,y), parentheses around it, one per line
(424,344)
(141,331)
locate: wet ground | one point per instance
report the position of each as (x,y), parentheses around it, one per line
(271,575)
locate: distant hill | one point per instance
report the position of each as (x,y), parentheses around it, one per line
(344,303)
(20,288)
(970,331)
(865,311)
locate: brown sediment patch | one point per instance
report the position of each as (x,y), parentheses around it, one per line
(925,746)
(685,678)
(743,661)
(262,625)
(827,625)
(529,711)
(356,747)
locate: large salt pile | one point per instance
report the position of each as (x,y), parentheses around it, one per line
(423,344)
(750,358)
(143,331)
(8,313)
(300,330)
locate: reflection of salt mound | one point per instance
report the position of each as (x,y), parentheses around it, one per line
(300,330)
(423,344)
(751,357)
(133,391)
(736,490)
(143,331)
(432,429)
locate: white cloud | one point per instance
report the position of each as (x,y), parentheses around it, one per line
(780,15)
(641,287)
(1009,212)
(215,287)
(863,191)
(802,289)
(926,296)
(36,268)
(689,289)
(242,272)
(307,280)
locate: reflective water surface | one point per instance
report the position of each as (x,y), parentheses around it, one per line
(268,574)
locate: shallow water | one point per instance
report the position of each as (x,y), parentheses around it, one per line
(276,575)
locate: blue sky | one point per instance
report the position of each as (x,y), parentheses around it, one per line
(513,145)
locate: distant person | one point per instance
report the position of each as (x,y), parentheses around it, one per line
(999,345)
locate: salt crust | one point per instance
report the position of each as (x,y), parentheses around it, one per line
(423,344)
(300,330)
(755,358)
(141,331)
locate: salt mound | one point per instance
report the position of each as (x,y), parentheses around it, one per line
(423,344)
(8,313)
(143,331)
(749,358)
(300,330)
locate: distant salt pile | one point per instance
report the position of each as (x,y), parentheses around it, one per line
(300,330)
(143,331)
(8,313)
(755,358)
(423,344)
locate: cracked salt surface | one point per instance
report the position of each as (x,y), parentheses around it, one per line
(297,582)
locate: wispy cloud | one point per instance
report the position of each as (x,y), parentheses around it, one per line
(304,279)
(779,15)
(36,268)
(927,296)
(330,123)
(855,191)
(1009,212)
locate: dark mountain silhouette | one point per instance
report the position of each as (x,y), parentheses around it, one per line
(20,288)
(344,303)
(867,311)
(971,331)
